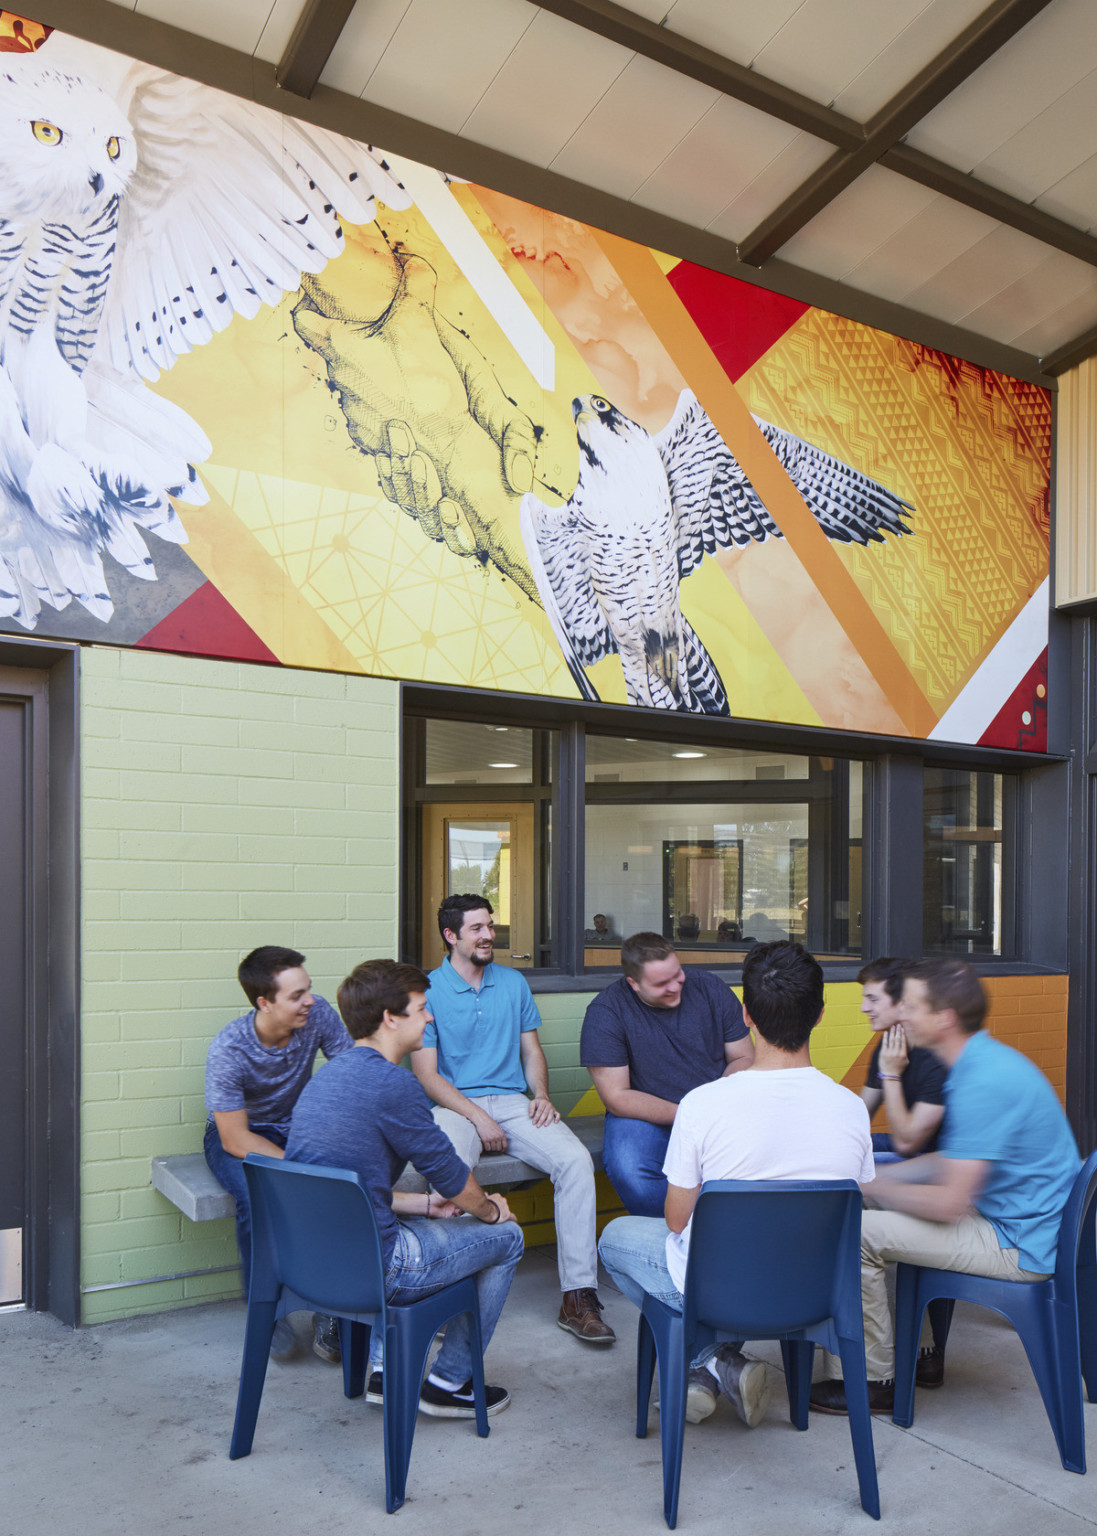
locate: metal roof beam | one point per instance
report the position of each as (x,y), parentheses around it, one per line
(1070,354)
(979,41)
(311,44)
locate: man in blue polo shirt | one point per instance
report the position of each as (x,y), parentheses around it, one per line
(990,1199)
(478,1058)
(647,1041)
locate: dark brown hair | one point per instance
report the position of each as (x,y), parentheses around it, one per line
(374,988)
(637,950)
(952,984)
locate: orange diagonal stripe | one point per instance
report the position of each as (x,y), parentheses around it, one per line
(673,324)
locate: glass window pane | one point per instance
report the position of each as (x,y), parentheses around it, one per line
(478,864)
(962,841)
(628,760)
(464,752)
(718,877)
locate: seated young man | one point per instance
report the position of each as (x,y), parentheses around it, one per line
(647,1040)
(907,1080)
(366,1113)
(988,1202)
(779,1118)
(255,1069)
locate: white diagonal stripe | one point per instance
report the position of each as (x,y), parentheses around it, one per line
(466,245)
(987,690)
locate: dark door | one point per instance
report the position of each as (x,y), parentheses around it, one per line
(14,765)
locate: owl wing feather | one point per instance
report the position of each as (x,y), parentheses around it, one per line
(556,547)
(716,506)
(220,218)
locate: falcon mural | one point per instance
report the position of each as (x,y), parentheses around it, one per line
(645,512)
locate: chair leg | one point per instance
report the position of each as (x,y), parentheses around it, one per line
(860,1423)
(909,1310)
(399,1410)
(258,1333)
(1051,1344)
(673,1370)
(645,1373)
(798,1356)
(1087,1326)
(353,1346)
(476,1345)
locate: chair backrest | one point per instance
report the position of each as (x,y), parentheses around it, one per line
(1077,1223)
(770,1257)
(314,1231)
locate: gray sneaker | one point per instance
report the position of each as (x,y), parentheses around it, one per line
(701,1394)
(283,1344)
(745,1382)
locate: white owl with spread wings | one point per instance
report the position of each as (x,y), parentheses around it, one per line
(135,221)
(645,512)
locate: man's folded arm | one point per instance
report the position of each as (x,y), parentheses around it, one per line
(629,1103)
(238,1139)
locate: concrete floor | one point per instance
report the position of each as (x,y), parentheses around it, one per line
(125,1428)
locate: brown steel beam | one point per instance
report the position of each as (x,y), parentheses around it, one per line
(713,69)
(1070,354)
(311,43)
(968,50)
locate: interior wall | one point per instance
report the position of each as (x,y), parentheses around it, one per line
(224,806)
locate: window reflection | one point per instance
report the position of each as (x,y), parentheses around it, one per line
(962,841)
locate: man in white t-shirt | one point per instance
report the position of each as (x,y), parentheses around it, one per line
(778,1119)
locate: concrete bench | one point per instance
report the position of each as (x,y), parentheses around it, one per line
(187,1182)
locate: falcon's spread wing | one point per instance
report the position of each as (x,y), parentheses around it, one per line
(716,507)
(557,553)
(221,217)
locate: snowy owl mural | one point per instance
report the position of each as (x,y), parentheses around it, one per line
(139,212)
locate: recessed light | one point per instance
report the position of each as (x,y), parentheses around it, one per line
(502,765)
(687,754)
(500,727)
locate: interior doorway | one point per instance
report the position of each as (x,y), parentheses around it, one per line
(486,850)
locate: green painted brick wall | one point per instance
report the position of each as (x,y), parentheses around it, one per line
(223,806)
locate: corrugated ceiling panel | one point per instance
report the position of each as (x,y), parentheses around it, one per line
(1075,197)
(640,119)
(1048,148)
(1054,330)
(1011,311)
(978,274)
(858,220)
(937,234)
(1056,50)
(443,57)
(919,42)
(362,43)
(715,162)
(238,25)
(545,90)
(770,187)
(738,29)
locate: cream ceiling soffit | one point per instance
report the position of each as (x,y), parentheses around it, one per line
(988,32)
(963,56)
(311,44)
(171,48)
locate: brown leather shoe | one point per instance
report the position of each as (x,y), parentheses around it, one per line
(580,1314)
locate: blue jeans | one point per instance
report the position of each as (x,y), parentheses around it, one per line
(431,1253)
(882,1150)
(632,1156)
(634,1252)
(229,1173)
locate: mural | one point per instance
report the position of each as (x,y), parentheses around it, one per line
(266,393)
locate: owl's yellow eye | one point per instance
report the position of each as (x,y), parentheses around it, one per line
(47,133)
(113,147)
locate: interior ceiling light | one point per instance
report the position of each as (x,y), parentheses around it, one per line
(687,754)
(500,727)
(502,765)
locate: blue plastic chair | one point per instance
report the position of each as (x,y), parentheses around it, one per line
(315,1246)
(1055,1318)
(767,1260)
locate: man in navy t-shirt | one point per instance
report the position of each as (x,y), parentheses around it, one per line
(366,1113)
(647,1041)
(255,1070)
(908,1080)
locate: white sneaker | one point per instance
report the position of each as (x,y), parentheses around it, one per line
(701,1394)
(746,1383)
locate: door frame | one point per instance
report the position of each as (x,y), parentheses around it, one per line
(44,677)
(436,817)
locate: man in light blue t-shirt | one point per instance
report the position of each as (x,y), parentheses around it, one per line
(477,1060)
(990,1199)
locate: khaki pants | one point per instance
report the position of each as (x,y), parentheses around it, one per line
(969,1246)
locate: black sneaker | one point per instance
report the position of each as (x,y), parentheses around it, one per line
(373,1388)
(443,1404)
(325,1338)
(930,1369)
